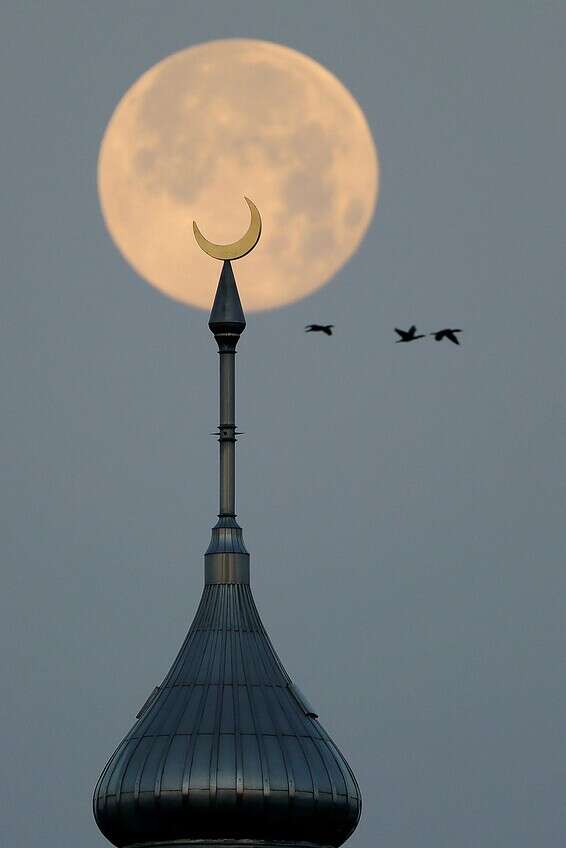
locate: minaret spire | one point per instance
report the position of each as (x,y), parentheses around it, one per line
(226,751)
(227,560)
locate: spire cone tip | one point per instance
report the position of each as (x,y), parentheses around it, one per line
(227,314)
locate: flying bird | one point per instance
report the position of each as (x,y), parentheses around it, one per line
(446,334)
(408,335)
(319,328)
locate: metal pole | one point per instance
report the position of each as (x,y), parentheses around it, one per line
(226,559)
(227,429)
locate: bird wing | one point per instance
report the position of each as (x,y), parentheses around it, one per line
(401,333)
(412,329)
(450,335)
(327,330)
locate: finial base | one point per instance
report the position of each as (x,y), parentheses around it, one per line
(227,559)
(226,568)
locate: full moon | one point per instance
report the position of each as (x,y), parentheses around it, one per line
(226,119)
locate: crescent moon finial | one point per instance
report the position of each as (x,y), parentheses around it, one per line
(238,248)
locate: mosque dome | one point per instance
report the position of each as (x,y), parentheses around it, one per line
(227,751)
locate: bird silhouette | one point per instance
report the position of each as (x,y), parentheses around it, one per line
(446,334)
(319,328)
(408,335)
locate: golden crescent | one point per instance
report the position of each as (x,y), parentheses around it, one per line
(238,248)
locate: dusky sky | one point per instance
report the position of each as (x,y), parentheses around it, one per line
(403,504)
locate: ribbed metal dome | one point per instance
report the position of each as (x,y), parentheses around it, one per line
(227,748)
(227,751)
